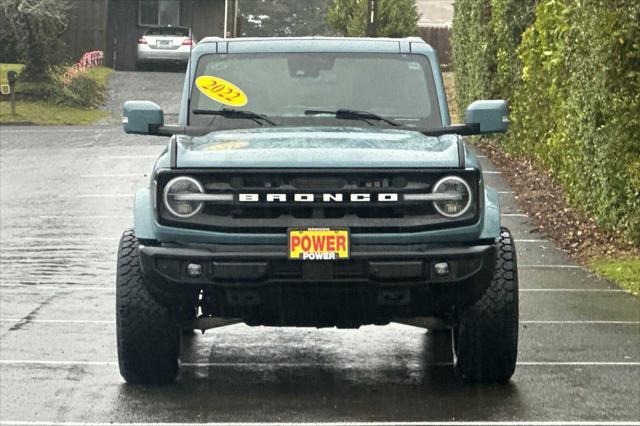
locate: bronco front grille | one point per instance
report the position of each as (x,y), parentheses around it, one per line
(259,200)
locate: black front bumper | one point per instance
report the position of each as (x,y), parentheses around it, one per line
(262,286)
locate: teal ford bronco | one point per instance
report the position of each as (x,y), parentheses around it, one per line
(316,182)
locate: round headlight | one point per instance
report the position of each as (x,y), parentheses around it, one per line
(176,200)
(460,193)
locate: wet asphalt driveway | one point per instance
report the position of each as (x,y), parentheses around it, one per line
(67,194)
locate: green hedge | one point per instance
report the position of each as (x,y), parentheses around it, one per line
(577,107)
(509,19)
(473,55)
(573,80)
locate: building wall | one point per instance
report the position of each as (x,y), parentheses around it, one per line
(205,17)
(208,17)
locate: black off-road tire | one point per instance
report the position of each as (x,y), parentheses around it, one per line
(485,339)
(147,332)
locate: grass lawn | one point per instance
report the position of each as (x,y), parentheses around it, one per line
(28,112)
(625,272)
(99,74)
(43,112)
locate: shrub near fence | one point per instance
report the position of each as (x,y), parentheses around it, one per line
(78,89)
(88,60)
(573,80)
(83,85)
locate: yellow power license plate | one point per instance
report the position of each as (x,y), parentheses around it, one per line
(318,244)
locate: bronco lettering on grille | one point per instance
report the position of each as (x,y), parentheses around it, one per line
(311,198)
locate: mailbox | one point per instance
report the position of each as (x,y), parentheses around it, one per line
(12,76)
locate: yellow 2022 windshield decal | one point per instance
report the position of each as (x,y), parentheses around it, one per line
(221,90)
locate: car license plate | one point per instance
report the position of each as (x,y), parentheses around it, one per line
(164,43)
(319,244)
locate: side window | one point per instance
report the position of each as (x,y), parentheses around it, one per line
(158,12)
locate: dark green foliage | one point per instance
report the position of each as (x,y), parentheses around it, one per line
(8,48)
(284,18)
(396,18)
(36,26)
(571,71)
(509,19)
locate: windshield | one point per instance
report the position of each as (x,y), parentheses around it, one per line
(284,86)
(168,31)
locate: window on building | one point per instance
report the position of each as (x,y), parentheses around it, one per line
(159,12)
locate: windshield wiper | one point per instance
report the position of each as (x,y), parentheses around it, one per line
(235,113)
(350,114)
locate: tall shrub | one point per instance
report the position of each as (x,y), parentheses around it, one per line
(396,18)
(509,20)
(536,105)
(473,52)
(485,36)
(36,26)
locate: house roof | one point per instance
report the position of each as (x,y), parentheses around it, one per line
(435,12)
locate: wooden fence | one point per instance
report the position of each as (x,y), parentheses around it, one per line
(86,29)
(438,38)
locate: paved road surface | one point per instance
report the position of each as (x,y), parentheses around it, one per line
(66,195)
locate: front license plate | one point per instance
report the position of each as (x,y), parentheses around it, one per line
(318,244)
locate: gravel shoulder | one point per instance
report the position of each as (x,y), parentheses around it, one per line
(163,88)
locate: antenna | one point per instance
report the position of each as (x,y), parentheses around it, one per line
(226,17)
(189,64)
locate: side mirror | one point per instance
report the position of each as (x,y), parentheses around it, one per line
(142,117)
(489,116)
